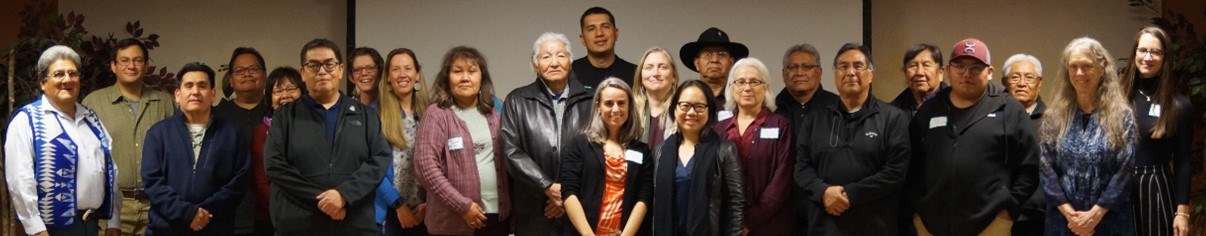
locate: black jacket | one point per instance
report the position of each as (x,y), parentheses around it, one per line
(716,181)
(301,163)
(789,108)
(584,174)
(178,185)
(907,103)
(964,172)
(867,153)
(533,143)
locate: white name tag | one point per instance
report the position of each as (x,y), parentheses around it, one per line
(936,122)
(1154,111)
(769,133)
(992,114)
(634,156)
(724,115)
(456,143)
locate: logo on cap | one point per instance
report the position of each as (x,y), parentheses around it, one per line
(969,48)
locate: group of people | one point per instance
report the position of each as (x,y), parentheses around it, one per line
(601,146)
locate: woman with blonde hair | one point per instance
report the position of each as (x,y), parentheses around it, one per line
(401,205)
(653,83)
(605,170)
(1086,142)
(1164,118)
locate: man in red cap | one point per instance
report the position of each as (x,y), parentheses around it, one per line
(976,154)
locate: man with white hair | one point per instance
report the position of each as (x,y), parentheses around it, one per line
(1023,78)
(554,104)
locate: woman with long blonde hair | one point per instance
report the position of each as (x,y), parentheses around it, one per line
(403,98)
(652,85)
(1087,140)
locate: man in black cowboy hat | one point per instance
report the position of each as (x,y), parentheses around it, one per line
(713,55)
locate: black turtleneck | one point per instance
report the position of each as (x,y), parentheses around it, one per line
(1174,147)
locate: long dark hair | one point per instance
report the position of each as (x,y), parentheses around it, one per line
(1166,91)
(442,94)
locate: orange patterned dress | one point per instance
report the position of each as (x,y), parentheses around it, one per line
(611,212)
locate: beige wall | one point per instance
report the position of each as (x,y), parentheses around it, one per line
(1038,27)
(505,30)
(208,31)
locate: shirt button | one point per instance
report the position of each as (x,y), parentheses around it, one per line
(135,144)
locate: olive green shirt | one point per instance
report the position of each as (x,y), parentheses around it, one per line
(128,128)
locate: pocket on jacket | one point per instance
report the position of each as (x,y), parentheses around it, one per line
(285,212)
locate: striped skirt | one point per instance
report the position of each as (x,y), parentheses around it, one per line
(1153,200)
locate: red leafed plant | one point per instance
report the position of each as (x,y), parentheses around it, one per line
(42,26)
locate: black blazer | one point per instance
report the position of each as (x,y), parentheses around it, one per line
(302,164)
(717,191)
(584,173)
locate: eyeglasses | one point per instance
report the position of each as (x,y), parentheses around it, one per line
(126,61)
(961,68)
(806,67)
(697,107)
(63,75)
(313,66)
(248,70)
(858,67)
(1028,78)
(750,83)
(364,69)
(711,54)
(1154,53)
(284,90)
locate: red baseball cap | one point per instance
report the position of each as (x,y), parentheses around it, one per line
(971,47)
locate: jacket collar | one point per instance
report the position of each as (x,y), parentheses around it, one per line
(731,123)
(993,100)
(348,108)
(114,95)
(870,106)
(1039,108)
(573,91)
(784,99)
(180,126)
(905,98)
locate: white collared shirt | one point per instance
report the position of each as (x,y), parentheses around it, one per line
(90,166)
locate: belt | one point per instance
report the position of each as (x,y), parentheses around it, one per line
(87,215)
(136,194)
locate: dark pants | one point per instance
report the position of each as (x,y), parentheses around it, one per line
(494,227)
(261,229)
(392,227)
(80,228)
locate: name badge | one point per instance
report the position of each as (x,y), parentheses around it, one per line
(936,122)
(634,156)
(1154,111)
(992,114)
(724,115)
(769,133)
(456,143)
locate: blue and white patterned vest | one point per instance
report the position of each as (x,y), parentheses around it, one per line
(55,168)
